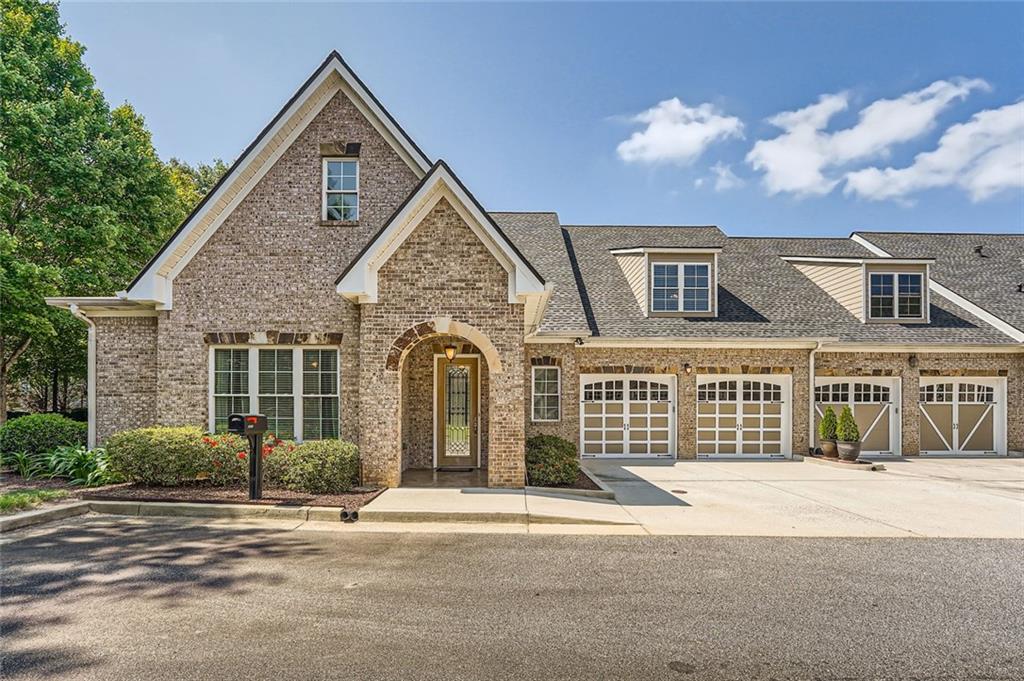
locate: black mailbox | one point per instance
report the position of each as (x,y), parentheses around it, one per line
(255,424)
(236,424)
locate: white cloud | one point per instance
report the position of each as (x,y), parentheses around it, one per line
(677,133)
(725,179)
(983,156)
(799,160)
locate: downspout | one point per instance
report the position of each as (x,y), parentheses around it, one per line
(810,398)
(90,387)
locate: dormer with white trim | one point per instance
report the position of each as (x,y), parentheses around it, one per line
(874,290)
(672,282)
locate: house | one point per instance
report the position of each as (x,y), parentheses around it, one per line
(345,285)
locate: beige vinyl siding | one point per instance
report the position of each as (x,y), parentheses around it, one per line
(841,281)
(633,268)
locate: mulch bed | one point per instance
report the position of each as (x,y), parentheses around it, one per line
(583,481)
(12,482)
(206,494)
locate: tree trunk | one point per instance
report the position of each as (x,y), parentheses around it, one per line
(5,364)
(56,389)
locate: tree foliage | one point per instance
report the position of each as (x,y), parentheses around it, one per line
(84,199)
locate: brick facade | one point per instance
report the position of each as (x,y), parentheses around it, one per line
(126,387)
(442,270)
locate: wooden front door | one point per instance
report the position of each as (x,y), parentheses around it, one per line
(456,412)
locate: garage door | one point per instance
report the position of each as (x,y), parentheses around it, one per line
(743,416)
(627,415)
(962,416)
(875,405)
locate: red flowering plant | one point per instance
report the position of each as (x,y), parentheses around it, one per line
(276,456)
(226,453)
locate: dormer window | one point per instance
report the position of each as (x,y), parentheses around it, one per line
(896,295)
(680,287)
(341,189)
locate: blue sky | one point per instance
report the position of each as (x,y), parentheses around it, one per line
(901,116)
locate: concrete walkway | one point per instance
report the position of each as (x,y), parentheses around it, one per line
(912,497)
(480,504)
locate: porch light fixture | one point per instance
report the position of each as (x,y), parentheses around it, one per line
(687,369)
(912,361)
(450,351)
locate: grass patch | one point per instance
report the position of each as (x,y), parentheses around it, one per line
(20,501)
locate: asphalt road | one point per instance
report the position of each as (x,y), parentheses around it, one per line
(95,599)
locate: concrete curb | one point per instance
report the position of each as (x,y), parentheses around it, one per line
(605,492)
(404,516)
(864,466)
(43,515)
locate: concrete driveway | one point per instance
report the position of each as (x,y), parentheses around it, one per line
(981,498)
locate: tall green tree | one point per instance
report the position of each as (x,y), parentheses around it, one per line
(84,198)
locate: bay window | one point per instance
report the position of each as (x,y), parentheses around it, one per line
(268,380)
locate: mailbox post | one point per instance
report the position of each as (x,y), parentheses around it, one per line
(253,426)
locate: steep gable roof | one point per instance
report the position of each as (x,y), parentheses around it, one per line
(154,282)
(359,280)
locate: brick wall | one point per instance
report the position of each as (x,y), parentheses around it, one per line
(576,360)
(441,270)
(271,266)
(126,386)
(418,400)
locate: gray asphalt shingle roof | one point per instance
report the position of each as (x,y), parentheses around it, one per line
(989,280)
(760,295)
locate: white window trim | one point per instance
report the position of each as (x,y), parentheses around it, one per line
(254,381)
(923,276)
(680,277)
(301,396)
(533,393)
(323,186)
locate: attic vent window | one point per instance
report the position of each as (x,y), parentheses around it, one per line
(340,189)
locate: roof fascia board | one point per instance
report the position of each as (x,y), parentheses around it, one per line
(364,100)
(359,281)
(975,309)
(1012,348)
(676,342)
(666,250)
(857,261)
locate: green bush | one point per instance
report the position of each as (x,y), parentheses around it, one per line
(846,430)
(827,425)
(323,467)
(81,466)
(229,460)
(163,456)
(550,461)
(41,433)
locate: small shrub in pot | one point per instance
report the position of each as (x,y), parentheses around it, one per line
(551,461)
(827,433)
(847,436)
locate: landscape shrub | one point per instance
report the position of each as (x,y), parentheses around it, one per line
(322,467)
(228,455)
(827,425)
(846,430)
(161,455)
(550,461)
(81,466)
(41,433)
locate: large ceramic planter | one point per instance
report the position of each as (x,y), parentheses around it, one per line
(828,449)
(848,451)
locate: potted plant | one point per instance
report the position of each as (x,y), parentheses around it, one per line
(847,436)
(827,433)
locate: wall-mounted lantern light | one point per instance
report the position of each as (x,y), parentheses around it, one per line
(450,351)
(912,361)
(687,369)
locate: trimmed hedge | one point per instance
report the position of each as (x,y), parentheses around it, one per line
(550,461)
(175,456)
(39,433)
(323,467)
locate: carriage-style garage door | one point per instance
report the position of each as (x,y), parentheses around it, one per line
(744,416)
(962,416)
(627,415)
(875,405)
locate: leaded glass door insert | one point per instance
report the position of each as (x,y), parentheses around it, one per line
(456,399)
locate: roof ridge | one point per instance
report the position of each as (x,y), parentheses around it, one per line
(864,231)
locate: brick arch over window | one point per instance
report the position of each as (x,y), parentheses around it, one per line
(443,326)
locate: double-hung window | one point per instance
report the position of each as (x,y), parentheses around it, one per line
(269,380)
(546,394)
(680,287)
(896,295)
(341,189)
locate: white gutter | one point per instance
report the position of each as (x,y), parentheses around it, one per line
(90,391)
(810,398)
